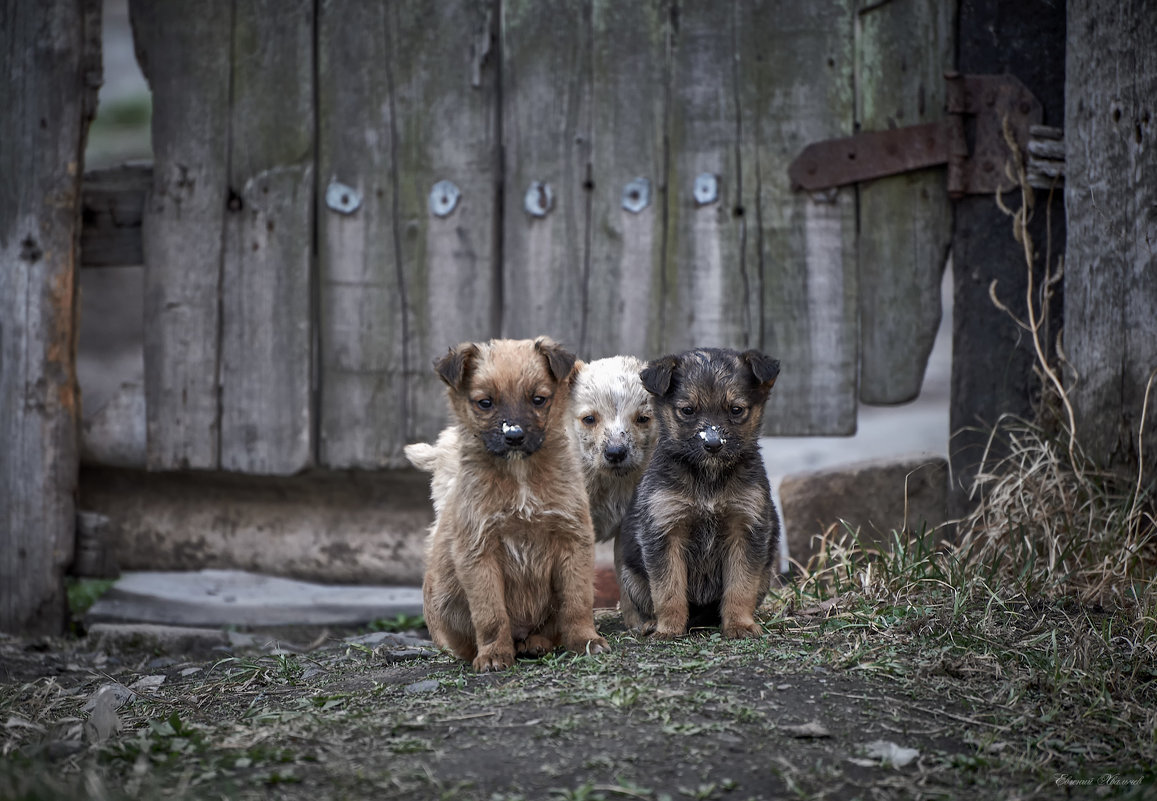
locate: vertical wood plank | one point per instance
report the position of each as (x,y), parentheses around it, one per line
(546,123)
(707,290)
(408,98)
(903,51)
(797,63)
(628,111)
(266,422)
(183,50)
(51,57)
(1111,206)
(444,61)
(362,315)
(992,360)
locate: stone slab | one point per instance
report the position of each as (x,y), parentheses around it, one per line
(240,598)
(876,497)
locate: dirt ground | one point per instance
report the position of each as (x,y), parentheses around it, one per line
(830,703)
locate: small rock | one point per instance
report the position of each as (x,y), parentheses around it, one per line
(812,729)
(427,686)
(146,683)
(189,671)
(888,753)
(117,693)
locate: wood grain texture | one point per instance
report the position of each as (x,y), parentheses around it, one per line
(362,321)
(183,49)
(1111,206)
(799,251)
(903,51)
(52,66)
(408,98)
(266,357)
(546,125)
(628,111)
(706,288)
(444,61)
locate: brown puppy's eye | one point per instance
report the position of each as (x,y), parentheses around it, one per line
(538,400)
(687,411)
(589,420)
(642,420)
(485,403)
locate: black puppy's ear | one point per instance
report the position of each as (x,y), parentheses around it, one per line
(558,359)
(657,375)
(455,367)
(763,367)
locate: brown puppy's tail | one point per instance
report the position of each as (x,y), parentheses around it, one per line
(423,456)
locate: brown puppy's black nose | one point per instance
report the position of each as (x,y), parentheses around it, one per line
(513,434)
(712,442)
(615,452)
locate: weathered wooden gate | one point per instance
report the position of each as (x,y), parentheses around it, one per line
(343,189)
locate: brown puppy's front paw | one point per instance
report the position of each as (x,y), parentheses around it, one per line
(589,643)
(741,629)
(668,632)
(494,657)
(535,645)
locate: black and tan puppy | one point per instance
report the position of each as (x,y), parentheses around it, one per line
(510,556)
(700,537)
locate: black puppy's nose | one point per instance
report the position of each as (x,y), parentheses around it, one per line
(615,452)
(513,434)
(712,442)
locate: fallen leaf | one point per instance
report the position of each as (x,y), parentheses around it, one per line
(813,729)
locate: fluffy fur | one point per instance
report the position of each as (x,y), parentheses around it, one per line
(510,556)
(614,426)
(699,538)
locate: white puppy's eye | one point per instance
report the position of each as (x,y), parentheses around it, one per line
(642,419)
(589,420)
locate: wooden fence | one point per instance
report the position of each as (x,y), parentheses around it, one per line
(341,190)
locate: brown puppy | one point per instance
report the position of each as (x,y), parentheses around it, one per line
(699,539)
(612,421)
(510,557)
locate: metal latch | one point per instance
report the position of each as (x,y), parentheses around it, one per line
(970,140)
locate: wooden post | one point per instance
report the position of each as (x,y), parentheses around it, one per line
(1111,207)
(48,93)
(992,360)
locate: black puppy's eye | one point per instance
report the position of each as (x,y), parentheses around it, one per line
(538,400)
(589,420)
(687,411)
(736,411)
(485,403)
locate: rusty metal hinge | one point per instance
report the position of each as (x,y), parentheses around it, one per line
(970,140)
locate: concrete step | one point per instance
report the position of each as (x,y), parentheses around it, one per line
(240,598)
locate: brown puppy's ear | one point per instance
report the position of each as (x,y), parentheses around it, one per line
(657,375)
(558,359)
(763,367)
(455,367)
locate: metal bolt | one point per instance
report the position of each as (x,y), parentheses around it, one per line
(539,199)
(444,198)
(342,199)
(706,188)
(637,195)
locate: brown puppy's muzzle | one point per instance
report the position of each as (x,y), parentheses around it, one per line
(511,438)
